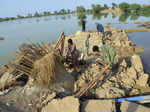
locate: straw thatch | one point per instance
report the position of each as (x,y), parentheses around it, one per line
(44,69)
(35,61)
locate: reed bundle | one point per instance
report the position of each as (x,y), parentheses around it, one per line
(37,61)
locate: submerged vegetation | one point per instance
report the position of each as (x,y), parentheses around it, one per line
(37,14)
(134,11)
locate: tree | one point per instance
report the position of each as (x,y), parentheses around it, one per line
(19,16)
(134,16)
(80,9)
(124,7)
(36,14)
(68,11)
(81,12)
(97,16)
(135,8)
(123,17)
(114,5)
(29,15)
(55,12)
(81,16)
(1,19)
(46,13)
(105,6)
(144,11)
(62,11)
(96,8)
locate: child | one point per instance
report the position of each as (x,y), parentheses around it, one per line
(87,45)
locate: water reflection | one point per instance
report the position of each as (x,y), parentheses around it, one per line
(123,17)
(48,28)
(114,16)
(134,16)
(63,17)
(97,16)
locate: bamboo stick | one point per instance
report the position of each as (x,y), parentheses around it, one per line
(92,83)
(10,82)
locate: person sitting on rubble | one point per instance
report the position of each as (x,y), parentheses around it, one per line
(107,51)
(73,54)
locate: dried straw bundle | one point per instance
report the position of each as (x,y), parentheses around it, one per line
(44,69)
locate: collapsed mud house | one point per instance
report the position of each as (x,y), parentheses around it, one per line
(47,79)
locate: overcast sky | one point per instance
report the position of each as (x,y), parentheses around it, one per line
(13,7)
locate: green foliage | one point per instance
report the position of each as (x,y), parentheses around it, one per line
(80,9)
(114,5)
(81,12)
(96,8)
(135,8)
(97,16)
(80,23)
(145,11)
(55,12)
(124,7)
(68,11)
(105,6)
(29,15)
(12,18)
(62,11)
(19,16)
(81,16)
(124,17)
(132,10)
(7,19)
(37,14)
(46,13)
(134,16)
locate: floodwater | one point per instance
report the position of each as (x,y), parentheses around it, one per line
(47,29)
(142,39)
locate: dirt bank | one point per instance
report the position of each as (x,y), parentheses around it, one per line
(130,30)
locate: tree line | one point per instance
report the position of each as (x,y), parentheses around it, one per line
(37,14)
(134,10)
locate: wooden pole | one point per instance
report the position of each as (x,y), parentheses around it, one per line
(92,83)
(59,40)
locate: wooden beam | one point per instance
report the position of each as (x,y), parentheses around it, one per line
(92,83)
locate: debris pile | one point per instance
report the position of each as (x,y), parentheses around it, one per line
(51,86)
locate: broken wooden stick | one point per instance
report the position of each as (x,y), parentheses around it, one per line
(92,83)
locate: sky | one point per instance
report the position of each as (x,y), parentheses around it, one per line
(10,8)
